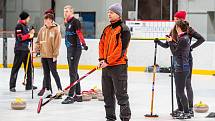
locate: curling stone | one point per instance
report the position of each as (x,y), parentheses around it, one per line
(18,104)
(201,107)
(86,96)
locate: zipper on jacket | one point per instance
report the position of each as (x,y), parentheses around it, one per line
(109,44)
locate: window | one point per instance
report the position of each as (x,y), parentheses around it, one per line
(152,10)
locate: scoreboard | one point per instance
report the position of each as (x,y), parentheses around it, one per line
(149,29)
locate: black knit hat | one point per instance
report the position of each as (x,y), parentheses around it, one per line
(23,15)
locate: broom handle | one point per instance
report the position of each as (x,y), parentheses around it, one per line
(75,82)
(172,84)
(153,83)
(71,85)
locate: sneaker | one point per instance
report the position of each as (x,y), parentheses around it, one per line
(191,112)
(41,92)
(13,89)
(176,113)
(111,119)
(211,115)
(47,94)
(78,98)
(184,116)
(29,88)
(125,119)
(68,100)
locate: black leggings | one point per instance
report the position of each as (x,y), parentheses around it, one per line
(180,82)
(189,88)
(49,65)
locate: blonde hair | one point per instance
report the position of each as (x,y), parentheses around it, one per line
(69,7)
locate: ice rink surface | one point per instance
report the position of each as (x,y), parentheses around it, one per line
(139,89)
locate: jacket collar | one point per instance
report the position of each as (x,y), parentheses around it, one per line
(22,22)
(69,19)
(182,34)
(53,25)
(114,25)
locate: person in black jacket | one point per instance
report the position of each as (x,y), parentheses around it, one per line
(74,41)
(181,15)
(181,50)
(21,50)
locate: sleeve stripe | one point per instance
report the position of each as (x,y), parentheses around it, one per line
(18,30)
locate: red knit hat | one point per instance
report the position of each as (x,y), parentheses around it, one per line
(180,15)
(50,11)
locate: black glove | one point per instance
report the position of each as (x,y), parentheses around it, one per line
(85,47)
(156,40)
(38,54)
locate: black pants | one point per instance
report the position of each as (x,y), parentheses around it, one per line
(73,57)
(21,57)
(49,65)
(114,83)
(180,82)
(189,88)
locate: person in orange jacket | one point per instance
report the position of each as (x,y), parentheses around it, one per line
(113,61)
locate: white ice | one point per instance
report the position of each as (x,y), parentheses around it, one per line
(139,90)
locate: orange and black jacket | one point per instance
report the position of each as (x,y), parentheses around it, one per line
(114,43)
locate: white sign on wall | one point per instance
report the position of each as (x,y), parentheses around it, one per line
(149,29)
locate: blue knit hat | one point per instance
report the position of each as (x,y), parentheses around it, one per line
(116,8)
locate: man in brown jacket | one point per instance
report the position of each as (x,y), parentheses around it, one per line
(48,43)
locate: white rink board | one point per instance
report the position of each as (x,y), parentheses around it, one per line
(140,53)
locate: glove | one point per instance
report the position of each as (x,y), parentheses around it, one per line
(85,47)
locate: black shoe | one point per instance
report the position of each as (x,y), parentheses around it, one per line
(41,92)
(110,120)
(13,89)
(191,112)
(176,113)
(78,98)
(68,100)
(124,119)
(184,116)
(29,88)
(211,115)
